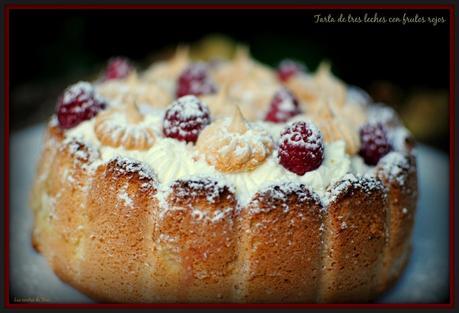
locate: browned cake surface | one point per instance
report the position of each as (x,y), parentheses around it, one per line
(106,232)
(195,243)
(400,178)
(354,241)
(119,231)
(52,140)
(280,246)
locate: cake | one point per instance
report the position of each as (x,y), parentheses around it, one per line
(224,182)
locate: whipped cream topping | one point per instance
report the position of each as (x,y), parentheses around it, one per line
(251,86)
(118,129)
(248,83)
(152,94)
(79,90)
(172,160)
(233,145)
(358,96)
(165,73)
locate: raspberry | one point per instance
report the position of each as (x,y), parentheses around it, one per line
(374,143)
(78,103)
(185,119)
(118,68)
(301,148)
(288,68)
(195,80)
(283,106)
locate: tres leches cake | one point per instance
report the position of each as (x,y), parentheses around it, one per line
(224,181)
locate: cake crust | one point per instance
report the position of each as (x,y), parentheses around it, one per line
(280,246)
(145,204)
(354,240)
(400,179)
(196,243)
(122,242)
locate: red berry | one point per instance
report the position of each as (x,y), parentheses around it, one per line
(185,119)
(301,148)
(195,80)
(283,107)
(78,103)
(288,68)
(374,143)
(118,68)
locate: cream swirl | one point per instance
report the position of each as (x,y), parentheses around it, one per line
(172,160)
(233,145)
(123,126)
(145,93)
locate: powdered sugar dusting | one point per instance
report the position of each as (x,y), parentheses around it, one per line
(294,138)
(84,93)
(185,118)
(115,129)
(196,186)
(279,192)
(188,107)
(53,121)
(161,195)
(398,138)
(171,160)
(366,183)
(78,91)
(127,165)
(379,113)
(124,196)
(233,147)
(395,166)
(358,95)
(282,192)
(168,160)
(283,106)
(84,153)
(214,217)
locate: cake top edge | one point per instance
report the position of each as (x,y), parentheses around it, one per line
(291,126)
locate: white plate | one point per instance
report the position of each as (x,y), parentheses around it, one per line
(425,279)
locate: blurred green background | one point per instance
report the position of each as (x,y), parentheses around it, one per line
(404,66)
